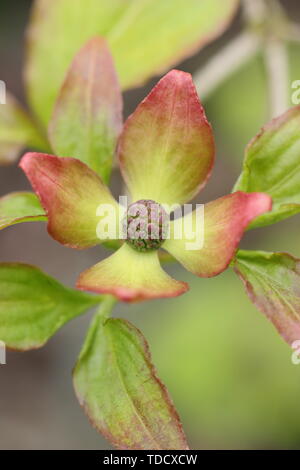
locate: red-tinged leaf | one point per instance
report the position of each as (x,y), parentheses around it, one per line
(70,193)
(117,385)
(166,149)
(87,116)
(272,282)
(225,221)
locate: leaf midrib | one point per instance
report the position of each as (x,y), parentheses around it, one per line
(123,383)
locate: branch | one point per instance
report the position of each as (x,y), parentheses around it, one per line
(277,65)
(226,62)
(293,34)
(254,11)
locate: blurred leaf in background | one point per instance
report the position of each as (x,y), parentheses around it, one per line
(87,117)
(16,130)
(146,37)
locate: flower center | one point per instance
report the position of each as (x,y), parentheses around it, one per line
(146,225)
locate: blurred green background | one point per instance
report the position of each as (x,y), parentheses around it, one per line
(228,371)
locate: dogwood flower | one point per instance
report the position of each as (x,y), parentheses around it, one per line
(166,153)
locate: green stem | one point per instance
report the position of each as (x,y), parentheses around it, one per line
(106,306)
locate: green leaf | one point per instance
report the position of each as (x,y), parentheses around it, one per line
(16,131)
(33,306)
(145,36)
(119,390)
(87,118)
(272,282)
(272,165)
(20,207)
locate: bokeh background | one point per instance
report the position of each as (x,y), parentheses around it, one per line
(228,371)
